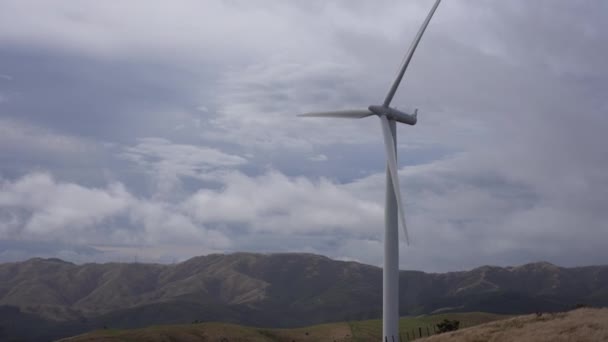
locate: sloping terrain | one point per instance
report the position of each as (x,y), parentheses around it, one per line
(59,298)
(582,325)
(370,330)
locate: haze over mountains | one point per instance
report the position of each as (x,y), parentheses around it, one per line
(279,290)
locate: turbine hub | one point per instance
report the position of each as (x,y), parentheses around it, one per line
(394,114)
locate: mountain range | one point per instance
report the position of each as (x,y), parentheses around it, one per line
(41,299)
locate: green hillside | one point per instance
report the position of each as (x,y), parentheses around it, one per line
(344,331)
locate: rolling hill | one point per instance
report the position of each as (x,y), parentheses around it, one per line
(43,298)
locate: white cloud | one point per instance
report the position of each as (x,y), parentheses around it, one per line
(318,158)
(275,203)
(60,207)
(167,161)
(186,158)
(460,206)
(257,106)
(37,207)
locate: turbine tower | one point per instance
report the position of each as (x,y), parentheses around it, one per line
(393,205)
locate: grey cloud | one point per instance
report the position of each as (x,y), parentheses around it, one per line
(106,100)
(22,140)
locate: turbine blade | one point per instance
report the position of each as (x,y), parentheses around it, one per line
(344,114)
(391,157)
(408,56)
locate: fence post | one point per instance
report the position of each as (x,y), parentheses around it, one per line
(427,331)
(420,331)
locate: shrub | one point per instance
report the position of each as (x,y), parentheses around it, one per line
(448,325)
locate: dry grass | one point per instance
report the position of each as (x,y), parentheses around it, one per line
(578,325)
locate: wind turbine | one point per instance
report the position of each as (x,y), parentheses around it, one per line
(393,205)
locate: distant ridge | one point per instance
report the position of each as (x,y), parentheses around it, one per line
(274,290)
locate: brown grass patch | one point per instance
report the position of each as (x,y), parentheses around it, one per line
(578,325)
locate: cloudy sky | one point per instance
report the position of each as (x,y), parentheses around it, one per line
(157,131)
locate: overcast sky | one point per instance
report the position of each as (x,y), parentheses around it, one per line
(157,131)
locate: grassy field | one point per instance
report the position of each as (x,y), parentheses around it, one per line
(413,326)
(219,332)
(579,325)
(582,325)
(340,332)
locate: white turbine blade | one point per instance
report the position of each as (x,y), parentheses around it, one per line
(344,114)
(408,56)
(391,157)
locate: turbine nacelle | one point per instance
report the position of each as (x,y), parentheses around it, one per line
(394,114)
